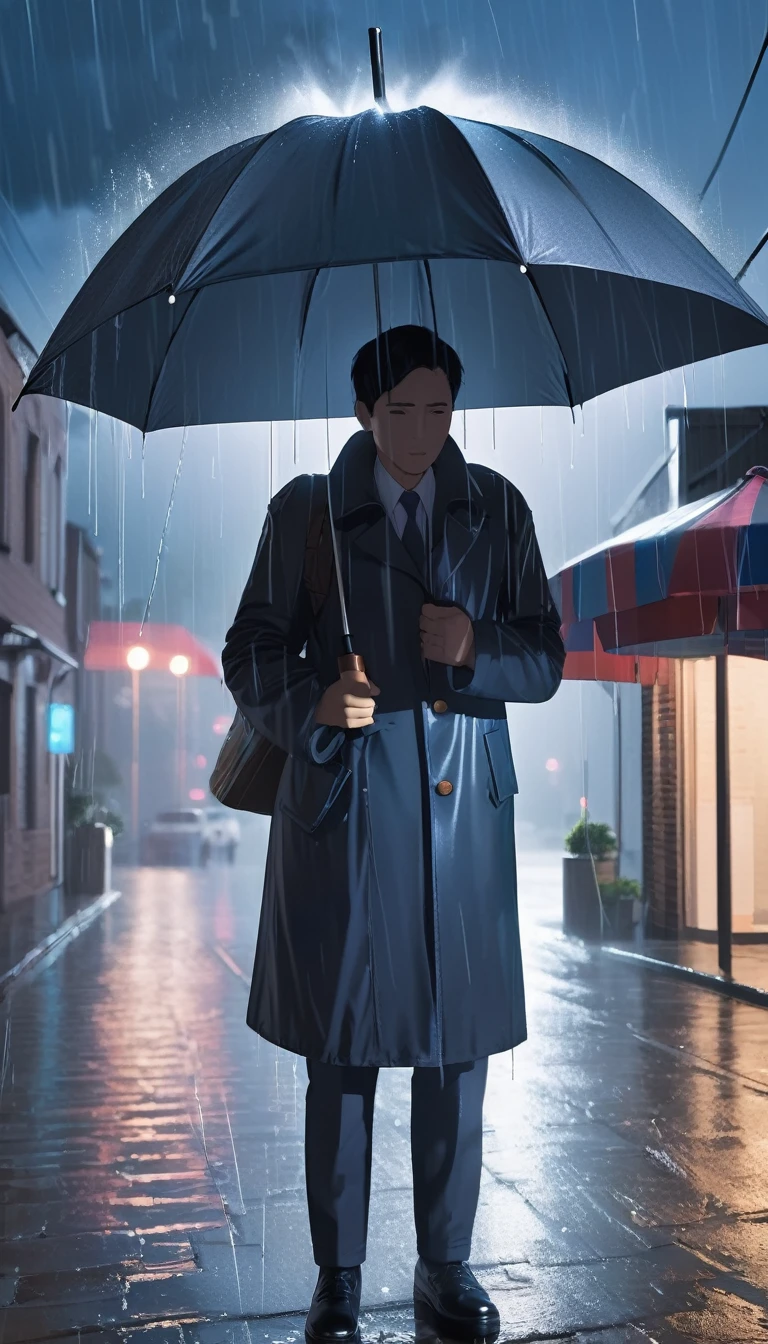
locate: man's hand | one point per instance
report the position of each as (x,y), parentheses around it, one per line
(447,636)
(348,702)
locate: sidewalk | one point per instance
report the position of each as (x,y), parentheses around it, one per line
(35,925)
(151,1154)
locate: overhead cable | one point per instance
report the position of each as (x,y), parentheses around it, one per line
(735,121)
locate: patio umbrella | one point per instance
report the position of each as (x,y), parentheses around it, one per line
(244,290)
(690,583)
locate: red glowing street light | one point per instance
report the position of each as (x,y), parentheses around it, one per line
(114,645)
(111,642)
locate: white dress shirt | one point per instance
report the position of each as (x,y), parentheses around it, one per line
(390,491)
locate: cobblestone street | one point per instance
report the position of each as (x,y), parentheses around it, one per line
(152,1160)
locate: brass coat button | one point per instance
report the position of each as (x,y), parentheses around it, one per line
(439,707)
(444,788)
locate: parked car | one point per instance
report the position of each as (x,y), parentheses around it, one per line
(191,835)
(224,831)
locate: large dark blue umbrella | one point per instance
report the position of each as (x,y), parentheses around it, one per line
(244,290)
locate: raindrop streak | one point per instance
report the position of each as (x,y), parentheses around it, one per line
(90,457)
(100,70)
(32,42)
(221,482)
(496,26)
(96,476)
(145,617)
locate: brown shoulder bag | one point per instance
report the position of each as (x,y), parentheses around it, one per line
(249,767)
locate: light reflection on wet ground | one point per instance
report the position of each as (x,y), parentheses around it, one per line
(151,1157)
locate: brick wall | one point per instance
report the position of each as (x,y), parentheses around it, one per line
(33,461)
(27,864)
(662,829)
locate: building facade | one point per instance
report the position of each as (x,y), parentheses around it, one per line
(671,754)
(36,666)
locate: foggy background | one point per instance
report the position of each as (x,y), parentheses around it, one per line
(104,102)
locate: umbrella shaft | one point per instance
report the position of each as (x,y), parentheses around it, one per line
(377,64)
(337,567)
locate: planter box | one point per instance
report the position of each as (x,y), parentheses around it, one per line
(581,900)
(619,919)
(89,861)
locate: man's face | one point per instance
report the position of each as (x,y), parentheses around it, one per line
(411,423)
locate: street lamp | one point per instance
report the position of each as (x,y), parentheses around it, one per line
(179,666)
(137,659)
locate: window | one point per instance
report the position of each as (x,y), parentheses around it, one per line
(31,490)
(55,527)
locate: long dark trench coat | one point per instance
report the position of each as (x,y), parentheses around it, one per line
(389,929)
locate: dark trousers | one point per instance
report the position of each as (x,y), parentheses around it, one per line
(446,1156)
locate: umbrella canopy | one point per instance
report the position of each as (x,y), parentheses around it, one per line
(245,289)
(109,643)
(689,583)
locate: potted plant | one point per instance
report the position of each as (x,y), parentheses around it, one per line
(90,826)
(621,902)
(590,861)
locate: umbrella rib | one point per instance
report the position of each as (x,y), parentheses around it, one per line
(542,304)
(159,373)
(428,274)
(262,141)
(307,302)
(51,359)
(561,176)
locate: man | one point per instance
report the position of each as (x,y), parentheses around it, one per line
(389,933)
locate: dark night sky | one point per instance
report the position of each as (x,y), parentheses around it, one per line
(85,83)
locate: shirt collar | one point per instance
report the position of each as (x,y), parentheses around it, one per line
(390,490)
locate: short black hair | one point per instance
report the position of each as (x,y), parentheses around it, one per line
(382,363)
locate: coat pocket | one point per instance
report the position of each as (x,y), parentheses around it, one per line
(503,778)
(312,791)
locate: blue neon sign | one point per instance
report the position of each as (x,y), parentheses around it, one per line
(61,729)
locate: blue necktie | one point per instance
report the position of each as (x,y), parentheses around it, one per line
(412,537)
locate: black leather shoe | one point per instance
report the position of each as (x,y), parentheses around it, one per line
(335,1308)
(452,1297)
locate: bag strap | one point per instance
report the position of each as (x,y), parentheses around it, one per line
(318,552)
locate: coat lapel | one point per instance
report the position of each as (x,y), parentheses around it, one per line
(458,515)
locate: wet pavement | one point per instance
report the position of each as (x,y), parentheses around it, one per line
(151,1161)
(749,961)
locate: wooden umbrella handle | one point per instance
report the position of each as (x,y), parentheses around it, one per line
(351,662)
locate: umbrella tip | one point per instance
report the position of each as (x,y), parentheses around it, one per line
(377,69)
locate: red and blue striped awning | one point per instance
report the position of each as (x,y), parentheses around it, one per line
(587,660)
(689,573)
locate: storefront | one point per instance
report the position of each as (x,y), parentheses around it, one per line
(680,859)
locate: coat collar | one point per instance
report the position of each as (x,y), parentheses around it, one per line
(457,517)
